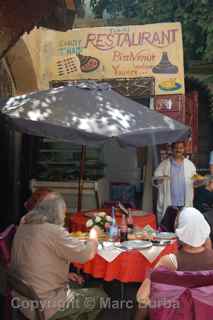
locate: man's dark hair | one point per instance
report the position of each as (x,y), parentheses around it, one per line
(177,142)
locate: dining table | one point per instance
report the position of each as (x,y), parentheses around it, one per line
(77,221)
(113,263)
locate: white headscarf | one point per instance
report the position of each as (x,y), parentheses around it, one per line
(192,227)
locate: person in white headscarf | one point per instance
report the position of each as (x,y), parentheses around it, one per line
(195,253)
(192,229)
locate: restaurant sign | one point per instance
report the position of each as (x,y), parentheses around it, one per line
(154,50)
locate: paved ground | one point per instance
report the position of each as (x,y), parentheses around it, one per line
(121,304)
(122,299)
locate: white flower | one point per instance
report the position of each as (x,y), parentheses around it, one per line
(108,218)
(89,223)
(98,219)
(102,214)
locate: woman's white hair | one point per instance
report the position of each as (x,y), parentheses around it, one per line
(51,209)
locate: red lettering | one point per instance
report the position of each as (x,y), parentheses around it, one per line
(109,43)
(100,41)
(119,35)
(126,40)
(145,36)
(115,69)
(116,56)
(165,37)
(173,32)
(134,42)
(90,39)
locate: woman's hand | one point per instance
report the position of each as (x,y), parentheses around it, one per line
(143,294)
(74,277)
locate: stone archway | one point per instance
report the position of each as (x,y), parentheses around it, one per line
(22,68)
(17,76)
(7,88)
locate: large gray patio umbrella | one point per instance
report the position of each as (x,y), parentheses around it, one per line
(90,114)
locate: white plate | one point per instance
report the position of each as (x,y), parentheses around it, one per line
(134,244)
(165,235)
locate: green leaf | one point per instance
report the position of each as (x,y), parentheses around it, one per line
(196,17)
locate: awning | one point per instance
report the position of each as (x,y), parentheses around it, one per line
(17,17)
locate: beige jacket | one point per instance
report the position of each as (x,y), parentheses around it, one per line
(41,256)
(164,192)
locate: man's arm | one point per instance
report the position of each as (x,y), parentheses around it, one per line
(160,171)
(193,169)
(75,250)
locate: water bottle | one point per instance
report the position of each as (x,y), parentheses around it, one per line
(113,230)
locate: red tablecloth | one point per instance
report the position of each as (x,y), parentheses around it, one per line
(78,221)
(130,266)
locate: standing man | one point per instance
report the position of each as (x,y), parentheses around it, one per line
(175,180)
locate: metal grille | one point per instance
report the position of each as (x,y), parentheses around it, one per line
(137,87)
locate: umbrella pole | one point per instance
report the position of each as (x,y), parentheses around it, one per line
(81,177)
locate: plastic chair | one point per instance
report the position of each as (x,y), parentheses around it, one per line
(181,295)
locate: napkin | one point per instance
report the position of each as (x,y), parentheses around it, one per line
(152,253)
(148,229)
(108,251)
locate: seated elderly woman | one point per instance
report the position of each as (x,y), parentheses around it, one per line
(41,255)
(203,200)
(194,255)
